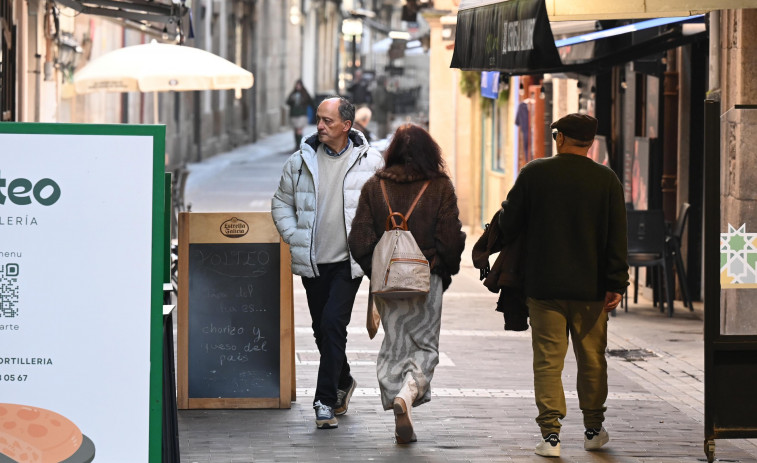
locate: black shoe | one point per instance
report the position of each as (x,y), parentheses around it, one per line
(343,398)
(324,416)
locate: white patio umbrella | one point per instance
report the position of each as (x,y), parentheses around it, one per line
(160,67)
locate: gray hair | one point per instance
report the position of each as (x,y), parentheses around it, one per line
(346,109)
(363,114)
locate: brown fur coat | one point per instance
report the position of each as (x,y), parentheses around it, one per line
(435,222)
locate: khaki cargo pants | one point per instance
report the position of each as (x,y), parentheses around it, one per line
(553,322)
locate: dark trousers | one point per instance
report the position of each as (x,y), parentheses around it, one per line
(330,299)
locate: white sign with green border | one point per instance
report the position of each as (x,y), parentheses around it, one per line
(81,243)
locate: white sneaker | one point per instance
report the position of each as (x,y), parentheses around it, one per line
(595,438)
(324,416)
(549,446)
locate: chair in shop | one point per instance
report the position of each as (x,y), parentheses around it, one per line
(647,248)
(673,241)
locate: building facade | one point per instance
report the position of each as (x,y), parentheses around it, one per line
(264,37)
(651,125)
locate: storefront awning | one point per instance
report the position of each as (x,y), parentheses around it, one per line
(515,38)
(163,16)
(512,37)
(572,10)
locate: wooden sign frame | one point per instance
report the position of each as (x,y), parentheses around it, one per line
(205,228)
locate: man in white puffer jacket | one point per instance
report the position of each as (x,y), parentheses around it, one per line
(313,210)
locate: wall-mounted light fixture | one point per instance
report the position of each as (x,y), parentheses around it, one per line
(400,35)
(295,14)
(352,27)
(362,13)
(69,51)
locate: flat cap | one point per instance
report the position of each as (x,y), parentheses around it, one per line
(578,126)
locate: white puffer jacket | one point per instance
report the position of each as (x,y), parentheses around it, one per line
(293,206)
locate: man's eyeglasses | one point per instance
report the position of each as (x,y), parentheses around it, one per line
(554,134)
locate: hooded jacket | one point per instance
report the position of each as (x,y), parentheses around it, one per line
(294,205)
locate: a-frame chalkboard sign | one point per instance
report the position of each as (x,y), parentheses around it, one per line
(235,323)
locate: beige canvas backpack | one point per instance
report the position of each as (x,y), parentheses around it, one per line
(398,267)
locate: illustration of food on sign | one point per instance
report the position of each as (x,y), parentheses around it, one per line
(36,435)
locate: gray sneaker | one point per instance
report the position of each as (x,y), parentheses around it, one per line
(549,446)
(324,416)
(343,399)
(595,438)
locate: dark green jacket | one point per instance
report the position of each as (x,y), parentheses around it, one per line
(298,102)
(572,211)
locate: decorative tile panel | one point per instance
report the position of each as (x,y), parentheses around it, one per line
(738,258)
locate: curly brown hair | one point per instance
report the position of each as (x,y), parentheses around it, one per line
(413,147)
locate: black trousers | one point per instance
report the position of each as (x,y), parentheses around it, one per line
(330,299)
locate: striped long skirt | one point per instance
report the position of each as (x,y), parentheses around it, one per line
(411,343)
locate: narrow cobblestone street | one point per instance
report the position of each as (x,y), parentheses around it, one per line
(482,407)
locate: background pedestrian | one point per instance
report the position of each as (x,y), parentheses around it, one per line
(359,92)
(382,107)
(362,119)
(299,101)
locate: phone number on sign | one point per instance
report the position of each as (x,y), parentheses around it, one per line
(9,378)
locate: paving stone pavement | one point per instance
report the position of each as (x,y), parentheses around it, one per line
(482,407)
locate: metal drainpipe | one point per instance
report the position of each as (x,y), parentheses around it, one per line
(482,177)
(454,127)
(670,141)
(124,99)
(253,57)
(714,77)
(34,32)
(22,55)
(515,94)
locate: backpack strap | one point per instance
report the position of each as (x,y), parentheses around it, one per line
(386,197)
(392,215)
(391,223)
(420,193)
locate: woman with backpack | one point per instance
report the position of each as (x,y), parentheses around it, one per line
(410,350)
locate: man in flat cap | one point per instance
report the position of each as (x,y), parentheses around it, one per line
(572,211)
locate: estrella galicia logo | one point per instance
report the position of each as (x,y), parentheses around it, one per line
(234,228)
(21,191)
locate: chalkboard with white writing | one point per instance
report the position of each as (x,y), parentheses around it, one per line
(235,324)
(234,320)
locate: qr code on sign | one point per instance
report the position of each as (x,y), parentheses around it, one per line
(8,290)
